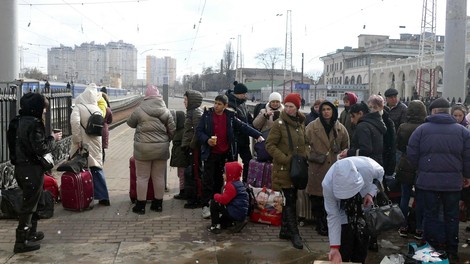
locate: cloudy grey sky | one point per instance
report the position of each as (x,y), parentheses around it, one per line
(196,32)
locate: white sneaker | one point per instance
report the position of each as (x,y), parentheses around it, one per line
(206,212)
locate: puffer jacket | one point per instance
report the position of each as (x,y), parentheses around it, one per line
(277,145)
(88,100)
(179,159)
(193,115)
(322,143)
(155,129)
(440,149)
(234,195)
(416,113)
(262,123)
(367,139)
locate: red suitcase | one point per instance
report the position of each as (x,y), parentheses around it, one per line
(132,189)
(77,190)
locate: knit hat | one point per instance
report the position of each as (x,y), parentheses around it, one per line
(293,98)
(152,91)
(104,90)
(275,96)
(233,171)
(239,88)
(347,181)
(391,92)
(439,103)
(351,97)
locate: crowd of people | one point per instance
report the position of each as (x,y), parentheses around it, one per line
(427,150)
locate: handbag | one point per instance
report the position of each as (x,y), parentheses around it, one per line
(385,217)
(298,166)
(317,157)
(76,163)
(47,161)
(260,149)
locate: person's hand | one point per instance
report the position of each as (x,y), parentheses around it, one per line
(343,154)
(334,256)
(268,113)
(211,142)
(368,200)
(466,182)
(260,139)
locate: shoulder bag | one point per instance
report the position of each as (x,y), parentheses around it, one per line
(382,218)
(298,166)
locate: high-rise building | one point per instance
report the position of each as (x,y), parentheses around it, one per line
(113,64)
(161,71)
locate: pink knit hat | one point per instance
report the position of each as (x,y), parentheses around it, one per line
(152,91)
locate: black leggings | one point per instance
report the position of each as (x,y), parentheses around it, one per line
(30,178)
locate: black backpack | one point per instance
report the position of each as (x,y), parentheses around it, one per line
(95,123)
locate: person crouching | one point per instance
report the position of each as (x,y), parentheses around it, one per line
(229,209)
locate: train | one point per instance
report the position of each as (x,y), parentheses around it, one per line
(32,85)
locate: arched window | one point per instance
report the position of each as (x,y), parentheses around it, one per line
(352,80)
(359,79)
(346,80)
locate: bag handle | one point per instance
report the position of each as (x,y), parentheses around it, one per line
(291,145)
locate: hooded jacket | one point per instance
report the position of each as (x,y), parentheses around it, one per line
(440,150)
(234,195)
(367,139)
(321,143)
(154,129)
(193,115)
(277,145)
(343,180)
(179,158)
(88,100)
(26,133)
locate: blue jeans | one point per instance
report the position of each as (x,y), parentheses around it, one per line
(441,219)
(99,184)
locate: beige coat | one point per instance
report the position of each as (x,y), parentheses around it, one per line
(262,123)
(78,120)
(320,143)
(277,145)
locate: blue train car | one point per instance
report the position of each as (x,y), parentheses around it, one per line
(32,85)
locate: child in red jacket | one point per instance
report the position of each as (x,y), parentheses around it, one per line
(230,208)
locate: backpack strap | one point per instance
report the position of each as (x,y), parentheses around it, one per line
(88,112)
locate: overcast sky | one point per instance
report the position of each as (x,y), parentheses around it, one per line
(196,32)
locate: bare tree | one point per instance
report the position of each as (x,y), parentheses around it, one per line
(228,64)
(269,59)
(34,73)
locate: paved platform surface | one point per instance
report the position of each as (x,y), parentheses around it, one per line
(116,235)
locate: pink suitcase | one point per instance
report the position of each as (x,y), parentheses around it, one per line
(77,191)
(132,185)
(259,174)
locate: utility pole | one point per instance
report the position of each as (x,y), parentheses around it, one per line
(288,52)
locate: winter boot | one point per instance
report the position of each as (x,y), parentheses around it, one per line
(156,205)
(35,235)
(180,196)
(22,244)
(284,233)
(290,208)
(139,207)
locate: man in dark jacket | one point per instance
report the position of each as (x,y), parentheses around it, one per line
(397,109)
(367,139)
(236,101)
(216,134)
(440,150)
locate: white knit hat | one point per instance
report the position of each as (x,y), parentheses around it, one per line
(347,181)
(275,96)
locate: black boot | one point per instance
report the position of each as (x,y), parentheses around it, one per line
(35,235)
(139,207)
(22,244)
(291,211)
(180,196)
(156,205)
(284,233)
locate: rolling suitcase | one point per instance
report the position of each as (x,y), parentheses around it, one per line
(77,190)
(259,174)
(133,183)
(304,208)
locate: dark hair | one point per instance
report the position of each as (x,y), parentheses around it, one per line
(222,98)
(356,108)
